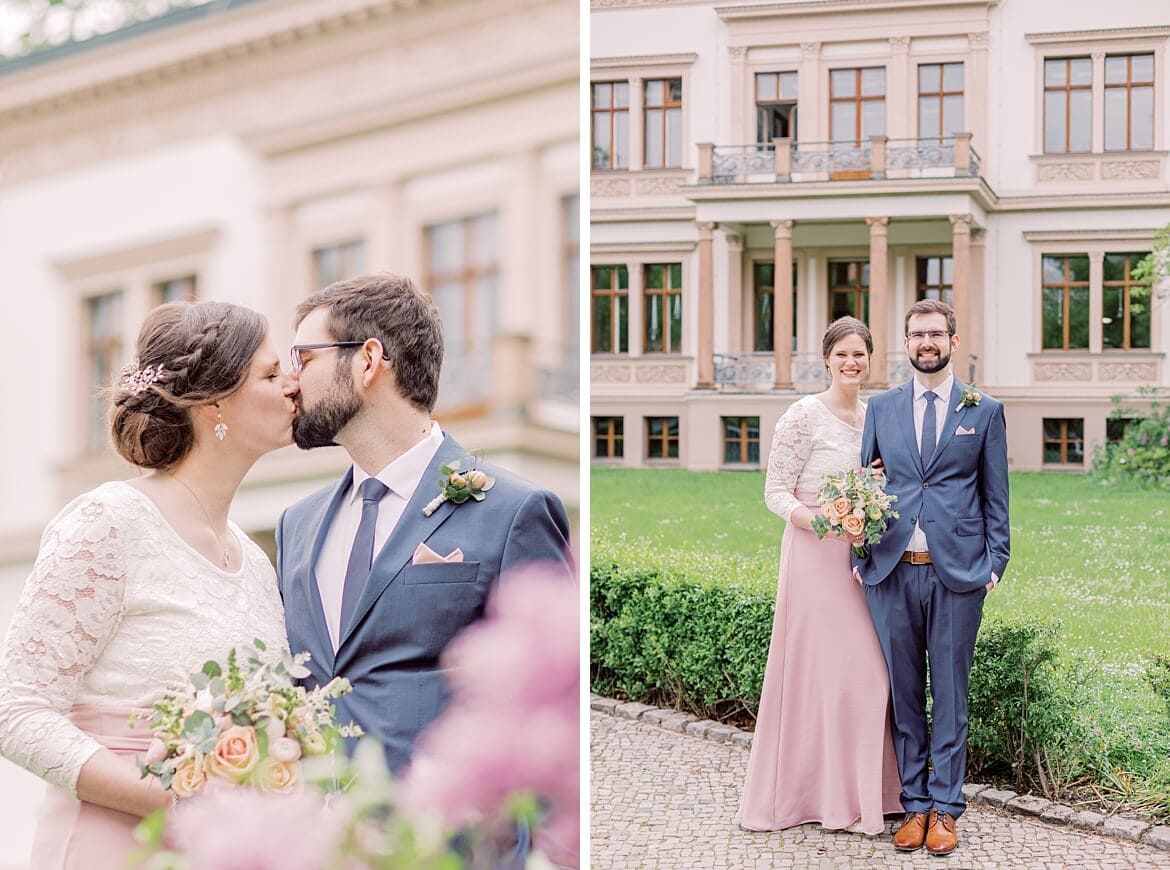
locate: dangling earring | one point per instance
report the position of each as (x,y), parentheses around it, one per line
(221,429)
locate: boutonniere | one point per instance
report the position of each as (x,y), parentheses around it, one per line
(459,482)
(968,398)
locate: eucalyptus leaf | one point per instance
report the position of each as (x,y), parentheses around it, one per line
(212,669)
(299,672)
(260,645)
(200,681)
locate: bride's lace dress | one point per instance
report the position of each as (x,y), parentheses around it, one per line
(117,610)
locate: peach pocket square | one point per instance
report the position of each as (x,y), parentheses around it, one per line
(962,431)
(424,555)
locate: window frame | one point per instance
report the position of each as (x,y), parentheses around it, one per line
(614,436)
(666,439)
(666,106)
(921,286)
(794,116)
(941,94)
(862,304)
(1063,442)
(743,440)
(1067,88)
(649,297)
(616,294)
(1126,284)
(613,111)
(1129,84)
(858,99)
(1066,287)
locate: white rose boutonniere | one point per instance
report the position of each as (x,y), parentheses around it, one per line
(968,398)
(459,482)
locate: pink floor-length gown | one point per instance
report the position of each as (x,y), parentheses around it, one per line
(822,750)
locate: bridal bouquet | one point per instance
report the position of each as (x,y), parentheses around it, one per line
(855,502)
(243,723)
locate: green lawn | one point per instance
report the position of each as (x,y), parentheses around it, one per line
(1098,559)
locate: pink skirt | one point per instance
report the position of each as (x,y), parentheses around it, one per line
(822,750)
(76,835)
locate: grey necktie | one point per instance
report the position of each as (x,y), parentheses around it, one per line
(357,572)
(929,430)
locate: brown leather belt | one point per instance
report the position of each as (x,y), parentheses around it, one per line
(917,558)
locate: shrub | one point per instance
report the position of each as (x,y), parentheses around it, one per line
(1143,452)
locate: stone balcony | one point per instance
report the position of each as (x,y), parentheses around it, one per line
(790,161)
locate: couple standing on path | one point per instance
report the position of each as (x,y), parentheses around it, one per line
(851,636)
(139,582)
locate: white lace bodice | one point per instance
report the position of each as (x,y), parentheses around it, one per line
(118,609)
(809,444)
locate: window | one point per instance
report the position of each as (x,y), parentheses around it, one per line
(1068,105)
(849,289)
(611,125)
(607,437)
(741,440)
(1064,441)
(463,274)
(663,292)
(103,354)
(662,114)
(1115,428)
(1125,309)
(611,309)
(1065,321)
(338,262)
(571,274)
(174,290)
(857,104)
(940,99)
(775,106)
(764,291)
(936,278)
(1129,102)
(662,437)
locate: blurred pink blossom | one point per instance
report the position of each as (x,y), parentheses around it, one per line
(513,724)
(241,829)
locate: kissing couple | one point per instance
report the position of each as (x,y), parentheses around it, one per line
(842,736)
(139,582)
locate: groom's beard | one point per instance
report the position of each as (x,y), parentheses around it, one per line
(941,361)
(318,426)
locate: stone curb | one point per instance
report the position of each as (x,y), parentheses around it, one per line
(1133,830)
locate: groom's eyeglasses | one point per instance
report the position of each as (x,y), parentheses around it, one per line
(933,335)
(298,361)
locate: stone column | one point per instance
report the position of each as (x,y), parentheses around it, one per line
(742,94)
(961,252)
(1096,299)
(737,342)
(812,93)
(782,305)
(901,114)
(975,100)
(704,360)
(879,297)
(637,308)
(637,149)
(976,302)
(1098,122)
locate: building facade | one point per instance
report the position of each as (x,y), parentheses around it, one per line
(256,150)
(761,168)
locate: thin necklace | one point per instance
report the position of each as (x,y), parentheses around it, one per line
(206,516)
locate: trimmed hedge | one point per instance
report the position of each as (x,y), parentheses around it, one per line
(702,647)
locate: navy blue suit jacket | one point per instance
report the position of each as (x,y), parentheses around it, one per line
(961,497)
(408,613)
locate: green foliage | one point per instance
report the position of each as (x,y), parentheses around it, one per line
(1142,454)
(1154,268)
(1157,674)
(1056,726)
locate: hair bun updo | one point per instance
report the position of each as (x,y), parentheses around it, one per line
(203,351)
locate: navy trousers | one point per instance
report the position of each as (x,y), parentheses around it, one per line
(917,618)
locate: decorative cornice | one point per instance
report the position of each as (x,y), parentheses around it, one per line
(639,60)
(82,266)
(900,43)
(654,248)
(1110,34)
(829,7)
(810,50)
(737,52)
(1077,236)
(978,41)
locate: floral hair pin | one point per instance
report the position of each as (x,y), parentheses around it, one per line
(136,381)
(459,483)
(969,398)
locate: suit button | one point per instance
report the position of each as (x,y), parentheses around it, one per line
(913,519)
(926,486)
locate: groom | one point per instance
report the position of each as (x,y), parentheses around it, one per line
(944,450)
(374,586)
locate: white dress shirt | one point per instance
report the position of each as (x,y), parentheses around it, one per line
(402,477)
(943,391)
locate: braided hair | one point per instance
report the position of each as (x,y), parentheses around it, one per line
(204,350)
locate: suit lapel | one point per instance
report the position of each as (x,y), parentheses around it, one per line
(319,526)
(905,407)
(412,528)
(949,422)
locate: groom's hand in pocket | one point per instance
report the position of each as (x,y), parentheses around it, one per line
(994,582)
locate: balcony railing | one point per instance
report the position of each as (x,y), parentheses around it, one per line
(754,372)
(786,160)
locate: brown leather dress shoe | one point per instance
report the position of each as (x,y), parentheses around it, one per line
(913,831)
(941,838)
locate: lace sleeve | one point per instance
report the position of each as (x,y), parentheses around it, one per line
(791,446)
(70,607)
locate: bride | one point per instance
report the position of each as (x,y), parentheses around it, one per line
(138,582)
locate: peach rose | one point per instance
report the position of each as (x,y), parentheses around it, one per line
(458,479)
(190,777)
(852,525)
(235,754)
(280,777)
(477,479)
(842,506)
(156,753)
